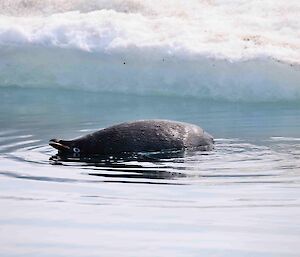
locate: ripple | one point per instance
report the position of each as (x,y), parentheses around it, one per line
(232,161)
(291,139)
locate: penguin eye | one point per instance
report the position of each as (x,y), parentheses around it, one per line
(76,150)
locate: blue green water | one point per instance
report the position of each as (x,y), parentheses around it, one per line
(241,199)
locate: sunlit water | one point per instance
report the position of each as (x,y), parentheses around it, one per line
(241,199)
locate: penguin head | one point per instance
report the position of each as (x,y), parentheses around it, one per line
(66,147)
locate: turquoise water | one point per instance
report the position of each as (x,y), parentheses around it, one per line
(242,199)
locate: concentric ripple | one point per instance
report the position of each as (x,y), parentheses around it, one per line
(232,161)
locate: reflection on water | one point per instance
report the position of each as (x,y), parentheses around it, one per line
(241,199)
(233,161)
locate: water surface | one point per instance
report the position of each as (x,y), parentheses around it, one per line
(242,199)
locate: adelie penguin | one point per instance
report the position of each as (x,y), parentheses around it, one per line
(137,136)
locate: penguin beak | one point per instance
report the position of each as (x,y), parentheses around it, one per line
(58,145)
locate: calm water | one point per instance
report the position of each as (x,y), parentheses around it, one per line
(242,199)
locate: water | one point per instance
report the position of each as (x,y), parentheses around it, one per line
(68,68)
(242,199)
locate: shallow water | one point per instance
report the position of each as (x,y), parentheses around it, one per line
(242,199)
